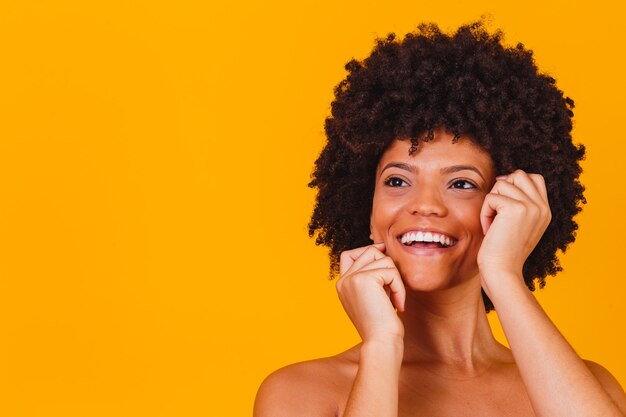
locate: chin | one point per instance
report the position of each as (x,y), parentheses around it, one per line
(429,278)
(421,280)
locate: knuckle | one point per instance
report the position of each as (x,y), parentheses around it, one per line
(339,284)
(360,278)
(547,214)
(389,262)
(538,177)
(371,250)
(519,172)
(343,263)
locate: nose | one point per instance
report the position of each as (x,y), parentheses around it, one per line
(426,201)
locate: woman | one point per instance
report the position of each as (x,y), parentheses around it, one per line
(448,183)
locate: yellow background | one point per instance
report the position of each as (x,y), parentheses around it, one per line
(154,158)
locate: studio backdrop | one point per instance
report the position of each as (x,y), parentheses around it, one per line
(154,161)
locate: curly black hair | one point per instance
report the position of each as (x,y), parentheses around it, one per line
(467,83)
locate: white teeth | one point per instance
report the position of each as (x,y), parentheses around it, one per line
(410,237)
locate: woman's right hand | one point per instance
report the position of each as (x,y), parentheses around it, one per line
(370,288)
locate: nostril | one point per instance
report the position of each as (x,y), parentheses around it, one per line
(428,207)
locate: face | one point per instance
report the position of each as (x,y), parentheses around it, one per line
(427,206)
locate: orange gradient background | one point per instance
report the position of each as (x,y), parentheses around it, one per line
(154,158)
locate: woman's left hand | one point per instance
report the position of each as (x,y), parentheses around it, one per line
(514,216)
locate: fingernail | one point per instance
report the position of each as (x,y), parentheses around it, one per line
(501,177)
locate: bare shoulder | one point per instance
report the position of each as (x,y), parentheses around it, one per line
(314,388)
(610,384)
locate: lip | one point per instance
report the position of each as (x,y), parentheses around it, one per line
(426,251)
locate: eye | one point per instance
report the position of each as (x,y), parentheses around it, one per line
(395,182)
(463,184)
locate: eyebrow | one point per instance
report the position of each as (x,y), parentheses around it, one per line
(446,170)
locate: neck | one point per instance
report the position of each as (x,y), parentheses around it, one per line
(449,328)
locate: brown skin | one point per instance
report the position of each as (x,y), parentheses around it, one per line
(437,356)
(321,387)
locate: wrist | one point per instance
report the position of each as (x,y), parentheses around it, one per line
(500,268)
(381,359)
(505,286)
(497,277)
(391,348)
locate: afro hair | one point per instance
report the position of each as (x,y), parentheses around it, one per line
(469,84)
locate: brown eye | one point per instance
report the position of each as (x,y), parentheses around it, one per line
(396,182)
(463,185)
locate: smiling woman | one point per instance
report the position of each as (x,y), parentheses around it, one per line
(448,184)
(438,191)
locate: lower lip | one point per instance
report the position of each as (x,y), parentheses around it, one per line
(425,251)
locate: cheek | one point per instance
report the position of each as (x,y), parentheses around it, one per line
(383,213)
(468,214)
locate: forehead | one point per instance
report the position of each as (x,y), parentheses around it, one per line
(438,153)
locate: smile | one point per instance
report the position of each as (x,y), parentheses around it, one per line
(426,239)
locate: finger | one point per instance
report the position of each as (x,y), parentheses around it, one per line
(390,278)
(398,291)
(534,202)
(384,262)
(522,180)
(487,213)
(532,185)
(493,204)
(348,257)
(540,183)
(368,255)
(508,189)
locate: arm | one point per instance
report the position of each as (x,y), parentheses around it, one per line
(375,389)
(302,390)
(299,390)
(366,273)
(559,383)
